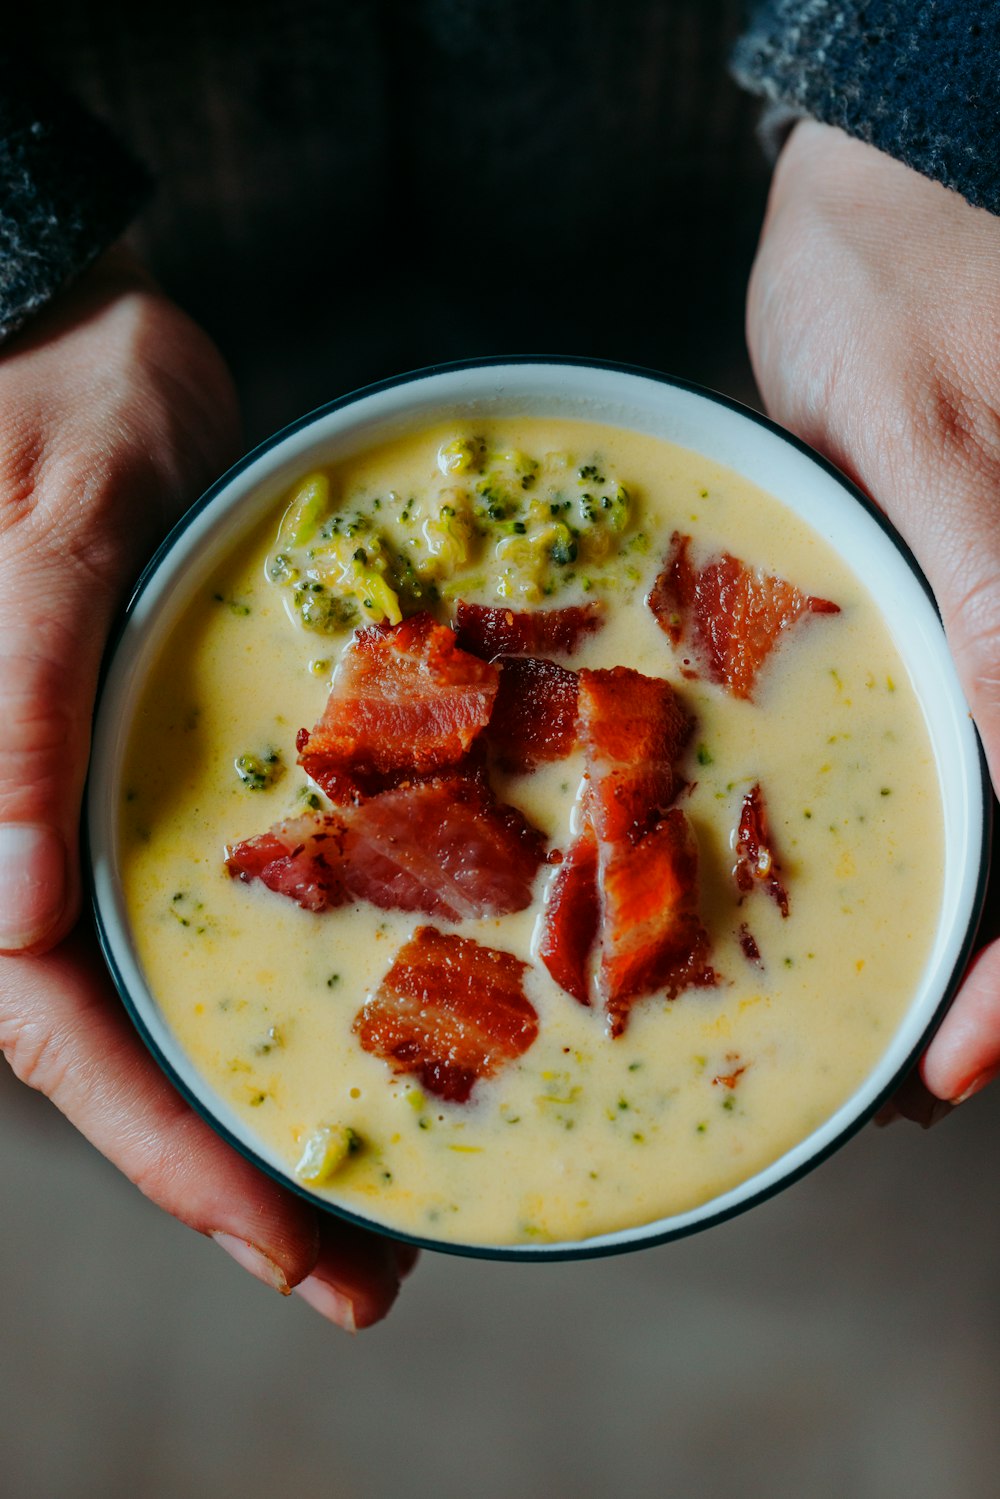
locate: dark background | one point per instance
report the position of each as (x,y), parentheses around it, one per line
(348,190)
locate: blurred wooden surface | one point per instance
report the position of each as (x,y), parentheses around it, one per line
(840,1340)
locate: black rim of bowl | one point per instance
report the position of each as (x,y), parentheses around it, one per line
(639,1236)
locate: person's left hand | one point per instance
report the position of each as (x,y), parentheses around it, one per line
(115,411)
(873,321)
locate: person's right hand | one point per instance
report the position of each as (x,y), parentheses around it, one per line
(874,325)
(115,412)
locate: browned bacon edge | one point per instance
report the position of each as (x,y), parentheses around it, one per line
(629,883)
(405,701)
(731,1078)
(450,1011)
(756,862)
(634,729)
(572,918)
(489,632)
(443,846)
(653,940)
(534,717)
(726,615)
(748,946)
(300,857)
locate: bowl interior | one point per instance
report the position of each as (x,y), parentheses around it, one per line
(625,398)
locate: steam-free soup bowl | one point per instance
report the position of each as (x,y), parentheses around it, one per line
(628,398)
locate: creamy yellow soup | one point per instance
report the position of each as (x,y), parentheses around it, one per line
(582,1135)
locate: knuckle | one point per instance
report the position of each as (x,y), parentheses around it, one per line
(22,460)
(158,1167)
(40,732)
(33,1052)
(954,421)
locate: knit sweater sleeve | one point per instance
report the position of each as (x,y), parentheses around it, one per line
(67,191)
(919,81)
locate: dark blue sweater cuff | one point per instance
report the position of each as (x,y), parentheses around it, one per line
(67,191)
(919,81)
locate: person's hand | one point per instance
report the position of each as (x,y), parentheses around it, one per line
(115,411)
(873,321)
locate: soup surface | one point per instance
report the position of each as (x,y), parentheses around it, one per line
(606,1118)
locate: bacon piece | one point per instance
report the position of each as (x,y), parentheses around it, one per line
(748,946)
(450,1011)
(301,857)
(490,632)
(445,847)
(673,595)
(651,936)
(756,863)
(728,615)
(572,916)
(730,1079)
(405,701)
(630,880)
(633,728)
(534,715)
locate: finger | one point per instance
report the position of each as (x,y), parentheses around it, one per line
(914,1101)
(64,1033)
(965,1054)
(356,1278)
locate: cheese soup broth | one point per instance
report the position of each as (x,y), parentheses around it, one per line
(582,1135)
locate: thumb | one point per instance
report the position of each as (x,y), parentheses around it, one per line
(113,414)
(47,684)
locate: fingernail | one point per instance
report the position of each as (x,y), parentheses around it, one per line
(976,1086)
(330,1303)
(33,882)
(252,1259)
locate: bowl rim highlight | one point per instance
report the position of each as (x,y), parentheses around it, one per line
(614,394)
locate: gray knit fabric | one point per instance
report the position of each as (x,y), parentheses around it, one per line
(67,190)
(919,79)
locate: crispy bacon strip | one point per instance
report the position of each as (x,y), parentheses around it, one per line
(748,946)
(405,701)
(730,1079)
(449,1011)
(727,616)
(634,728)
(652,939)
(445,847)
(301,857)
(629,885)
(534,716)
(572,918)
(756,862)
(489,632)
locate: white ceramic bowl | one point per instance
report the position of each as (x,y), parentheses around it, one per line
(625,397)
